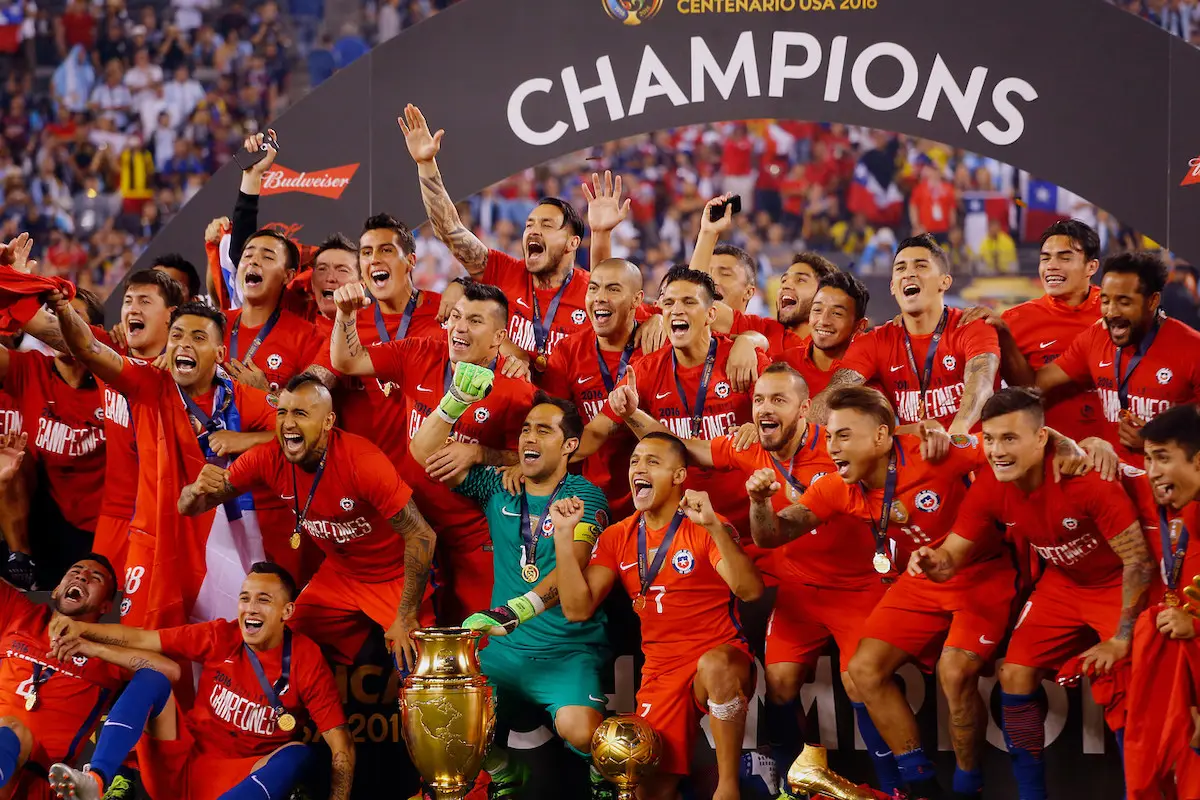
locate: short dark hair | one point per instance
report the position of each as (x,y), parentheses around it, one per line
(1178,424)
(337,241)
(108,567)
(95,308)
(177,261)
(784,368)
(198,309)
(1012,399)
(1080,233)
(572,423)
(291,258)
(743,258)
(682,272)
(478,292)
(570,215)
(386,222)
(927,241)
(866,400)
(168,287)
(304,378)
(1147,265)
(821,266)
(855,289)
(671,439)
(285,577)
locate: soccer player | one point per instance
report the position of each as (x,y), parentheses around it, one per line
(588,364)
(837,313)
(186,416)
(260,682)
(347,496)
(682,565)
(529,634)
(474,333)
(1039,331)
(63,410)
(547,290)
(50,705)
(1134,359)
(1089,596)
(827,587)
(335,263)
(930,366)
(687,386)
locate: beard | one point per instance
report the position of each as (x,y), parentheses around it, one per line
(795,315)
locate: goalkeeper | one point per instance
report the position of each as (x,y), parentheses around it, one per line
(535,657)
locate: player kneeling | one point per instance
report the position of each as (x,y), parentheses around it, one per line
(258,682)
(680,562)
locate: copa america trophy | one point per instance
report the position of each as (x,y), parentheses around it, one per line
(625,750)
(447,711)
(810,775)
(1192,593)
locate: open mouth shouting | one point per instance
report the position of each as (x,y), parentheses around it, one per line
(134,326)
(643,489)
(1164,492)
(843,466)
(679,328)
(1118,328)
(380,276)
(910,288)
(293,443)
(75,593)
(184,364)
(768,426)
(601,314)
(252,624)
(530,456)
(459,344)
(535,248)
(253,277)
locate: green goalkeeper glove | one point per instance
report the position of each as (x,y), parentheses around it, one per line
(470,385)
(503,619)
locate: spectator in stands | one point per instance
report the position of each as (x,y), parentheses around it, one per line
(932,208)
(112,98)
(74,79)
(997,253)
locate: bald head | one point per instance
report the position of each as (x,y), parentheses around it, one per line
(613,295)
(303,421)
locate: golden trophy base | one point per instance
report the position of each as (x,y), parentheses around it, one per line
(811,775)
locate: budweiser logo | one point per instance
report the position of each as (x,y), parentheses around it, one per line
(328,183)
(1193,174)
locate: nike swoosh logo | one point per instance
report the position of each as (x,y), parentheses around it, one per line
(1105,364)
(661,395)
(228,661)
(521,302)
(985,640)
(1044,345)
(893,369)
(884,754)
(627,567)
(287,497)
(583,380)
(508,513)
(421,388)
(598,699)
(1010,524)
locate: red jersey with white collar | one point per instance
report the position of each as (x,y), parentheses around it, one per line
(800,359)
(285,351)
(513,278)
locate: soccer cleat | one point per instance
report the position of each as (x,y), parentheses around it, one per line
(759,774)
(68,782)
(508,782)
(121,788)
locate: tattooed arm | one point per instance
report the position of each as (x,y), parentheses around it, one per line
(346,352)
(123,657)
(818,410)
(44,326)
(979,380)
(419,541)
(210,489)
(1139,568)
(447,225)
(65,629)
(341,751)
(767,528)
(79,341)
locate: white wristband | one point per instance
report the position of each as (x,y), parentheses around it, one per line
(535,601)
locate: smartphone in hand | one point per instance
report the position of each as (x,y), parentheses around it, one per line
(246,159)
(718,211)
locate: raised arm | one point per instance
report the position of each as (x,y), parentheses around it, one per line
(736,568)
(470,385)
(341,759)
(419,541)
(346,351)
(818,409)
(979,380)
(245,210)
(210,489)
(711,232)
(447,225)
(101,360)
(1138,571)
(767,528)
(604,213)
(641,423)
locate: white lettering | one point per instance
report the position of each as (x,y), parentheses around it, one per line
(606,90)
(939,403)
(1145,407)
(10,421)
(858,76)
(241,713)
(741,61)
(712,426)
(1009,112)
(275,179)
(1064,555)
(781,70)
(116,408)
(63,440)
(516,119)
(837,65)
(654,80)
(963,101)
(520,331)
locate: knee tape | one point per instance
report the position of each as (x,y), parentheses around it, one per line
(727,712)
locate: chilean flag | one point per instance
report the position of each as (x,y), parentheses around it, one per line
(980,209)
(880,204)
(11,18)
(1045,204)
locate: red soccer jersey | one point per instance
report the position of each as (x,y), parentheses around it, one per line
(10,414)
(370,407)
(838,554)
(689,609)
(66,433)
(880,355)
(358,493)
(419,366)
(288,348)
(800,359)
(1066,523)
(779,336)
(927,496)
(510,275)
(232,716)
(1043,330)
(73,695)
(1165,377)
(724,408)
(574,373)
(120,455)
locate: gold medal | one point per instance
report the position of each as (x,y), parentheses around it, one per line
(530,573)
(1170,599)
(30,701)
(386,388)
(639,603)
(294,541)
(286,722)
(540,363)
(881,563)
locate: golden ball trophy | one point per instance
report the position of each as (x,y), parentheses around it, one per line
(625,750)
(447,711)
(811,776)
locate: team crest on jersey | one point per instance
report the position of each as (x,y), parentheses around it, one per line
(683,562)
(274,361)
(1164,375)
(721,390)
(547,526)
(347,504)
(1070,523)
(928,501)
(79,661)
(579,316)
(481,415)
(99,414)
(949,362)
(273,400)
(602,518)
(125,605)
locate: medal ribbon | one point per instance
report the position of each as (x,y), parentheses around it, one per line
(885,514)
(610,383)
(41,674)
(258,340)
(541,332)
(702,391)
(312,492)
(280,686)
(405,321)
(1142,348)
(647,576)
(786,472)
(529,542)
(212,424)
(923,378)
(1172,553)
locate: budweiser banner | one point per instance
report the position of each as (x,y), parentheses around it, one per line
(327,183)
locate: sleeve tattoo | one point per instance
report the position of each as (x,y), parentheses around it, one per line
(419,542)
(1130,545)
(342,776)
(769,529)
(979,380)
(465,246)
(818,411)
(350,330)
